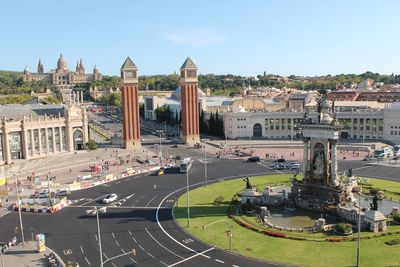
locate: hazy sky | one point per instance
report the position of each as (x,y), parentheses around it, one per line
(222,36)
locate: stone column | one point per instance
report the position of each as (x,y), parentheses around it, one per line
(32,143)
(46,133)
(60,140)
(40,141)
(6,145)
(305,156)
(334,162)
(24,143)
(54,140)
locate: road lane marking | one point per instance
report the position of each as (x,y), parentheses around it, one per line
(151,200)
(112,233)
(162,244)
(151,255)
(217,260)
(82,250)
(141,247)
(163,263)
(117,242)
(130,233)
(112,263)
(105,256)
(83,204)
(266,166)
(132,260)
(87,261)
(96,238)
(193,256)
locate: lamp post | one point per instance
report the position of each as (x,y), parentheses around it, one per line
(2,257)
(98,231)
(187,199)
(19,213)
(205,165)
(359,225)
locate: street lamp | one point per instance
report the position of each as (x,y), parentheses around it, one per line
(19,209)
(359,225)
(98,231)
(187,199)
(205,164)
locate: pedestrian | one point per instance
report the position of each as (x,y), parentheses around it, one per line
(14,241)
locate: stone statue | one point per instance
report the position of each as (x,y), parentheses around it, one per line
(374,204)
(350,172)
(319,163)
(248,184)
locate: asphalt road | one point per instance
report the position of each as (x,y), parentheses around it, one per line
(143,221)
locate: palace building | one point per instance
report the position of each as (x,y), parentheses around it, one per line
(62,77)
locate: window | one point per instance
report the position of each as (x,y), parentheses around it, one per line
(43,140)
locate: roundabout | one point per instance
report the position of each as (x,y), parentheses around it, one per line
(252,239)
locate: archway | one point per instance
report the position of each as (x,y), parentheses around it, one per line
(78,140)
(257,130)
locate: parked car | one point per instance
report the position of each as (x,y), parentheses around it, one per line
(293,165)
(254,159)
(44,194)
(278,166)
(281,160)
(110,198)
(178,157)
(160,172)
(63,193)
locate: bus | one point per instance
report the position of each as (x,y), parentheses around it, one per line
(185,165)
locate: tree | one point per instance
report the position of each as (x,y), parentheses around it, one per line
(91,145)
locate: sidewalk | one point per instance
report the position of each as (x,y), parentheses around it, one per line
(67,167)
(24,255)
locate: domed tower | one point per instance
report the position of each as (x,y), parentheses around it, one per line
(130,105)
(40,69)
(62,64)
(189,102)
(96,74)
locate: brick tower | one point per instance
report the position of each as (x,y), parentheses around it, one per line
(189,102)
(130,105)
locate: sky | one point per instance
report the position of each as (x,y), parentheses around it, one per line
(222,36)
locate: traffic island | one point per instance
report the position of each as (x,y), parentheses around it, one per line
(297,248)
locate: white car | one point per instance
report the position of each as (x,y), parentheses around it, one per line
(110,198)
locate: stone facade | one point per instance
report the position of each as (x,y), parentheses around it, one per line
(41,131)
(62,77)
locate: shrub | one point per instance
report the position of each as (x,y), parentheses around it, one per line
(393,242)
(235,199)
(218,200)
(343,228)
(396,217)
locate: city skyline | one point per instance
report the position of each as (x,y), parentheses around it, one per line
(284,37)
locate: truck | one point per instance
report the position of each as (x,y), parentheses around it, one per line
(385,152)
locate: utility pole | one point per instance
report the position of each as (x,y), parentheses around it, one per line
(98,231)
(359,226)
(19,213)
(187,199)
(205,165)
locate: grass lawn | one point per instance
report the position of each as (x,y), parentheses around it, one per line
(374,252)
